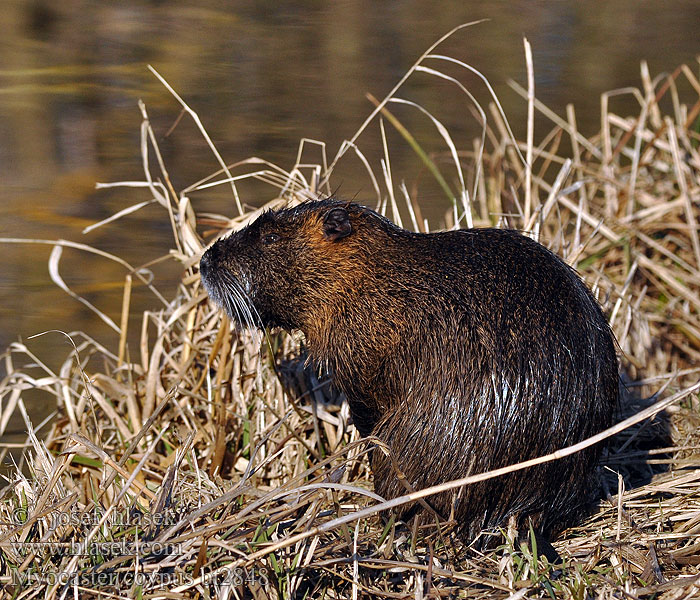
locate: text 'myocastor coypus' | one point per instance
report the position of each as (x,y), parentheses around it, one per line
(463,351)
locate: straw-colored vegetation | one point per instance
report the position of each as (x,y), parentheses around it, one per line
(204,464)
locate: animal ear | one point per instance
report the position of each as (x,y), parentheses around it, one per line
(336,224)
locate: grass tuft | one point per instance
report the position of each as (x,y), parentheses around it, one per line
(203,464)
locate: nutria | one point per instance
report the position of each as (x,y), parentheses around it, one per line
(463,351)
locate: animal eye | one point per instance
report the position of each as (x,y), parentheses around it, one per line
(270,238)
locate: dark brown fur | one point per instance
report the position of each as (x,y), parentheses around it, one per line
(464,351)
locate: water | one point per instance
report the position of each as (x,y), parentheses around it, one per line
(261,75)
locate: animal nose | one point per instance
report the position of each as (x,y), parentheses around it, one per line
(208,260)
(204,264)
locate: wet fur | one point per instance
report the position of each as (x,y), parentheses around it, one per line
(464,351)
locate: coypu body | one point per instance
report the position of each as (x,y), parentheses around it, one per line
(464,351)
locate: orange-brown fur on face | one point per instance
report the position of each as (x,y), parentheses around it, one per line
(463,351)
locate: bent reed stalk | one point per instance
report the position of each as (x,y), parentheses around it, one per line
(203,462)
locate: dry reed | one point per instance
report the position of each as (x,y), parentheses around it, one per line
(210,465)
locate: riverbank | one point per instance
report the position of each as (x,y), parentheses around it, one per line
(204,458)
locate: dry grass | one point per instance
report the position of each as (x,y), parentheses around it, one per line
(207,465)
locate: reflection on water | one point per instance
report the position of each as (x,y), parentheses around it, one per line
(261,75)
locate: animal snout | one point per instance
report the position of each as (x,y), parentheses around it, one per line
(209,260)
